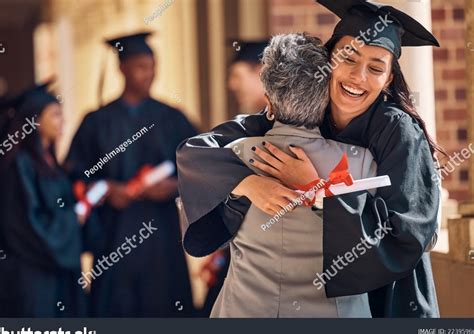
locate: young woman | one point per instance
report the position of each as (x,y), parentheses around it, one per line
(40,233)
(370,107)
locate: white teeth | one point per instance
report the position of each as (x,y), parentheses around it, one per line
(352,90)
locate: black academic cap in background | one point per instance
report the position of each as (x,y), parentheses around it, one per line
(396,29)
(31,100)
(131,45)
(248,51)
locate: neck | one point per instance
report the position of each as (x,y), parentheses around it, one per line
(133,97)
(45,143)
(338,119)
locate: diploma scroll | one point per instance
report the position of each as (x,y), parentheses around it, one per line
(95,194)
(148,176)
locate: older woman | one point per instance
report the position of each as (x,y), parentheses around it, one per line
(369,106)
(274,260)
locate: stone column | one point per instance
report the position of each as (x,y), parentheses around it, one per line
(417,63)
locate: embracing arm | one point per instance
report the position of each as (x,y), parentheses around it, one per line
(207,174)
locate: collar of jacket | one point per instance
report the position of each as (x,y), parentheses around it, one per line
(280,129)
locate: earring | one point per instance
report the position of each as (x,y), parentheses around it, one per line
(270,116)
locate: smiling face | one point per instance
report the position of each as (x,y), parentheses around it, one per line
(358,78)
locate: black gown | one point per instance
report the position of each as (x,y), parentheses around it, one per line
(396,271)
(152,280)
(40,239)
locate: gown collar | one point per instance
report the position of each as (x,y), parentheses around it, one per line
(356,131)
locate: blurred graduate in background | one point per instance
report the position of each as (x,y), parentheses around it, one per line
(150,280)
(40,234)
(244,76)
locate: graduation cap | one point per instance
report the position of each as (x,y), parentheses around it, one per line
(249,51)
(126,46)
(360,18)
(131,45)
(32,100)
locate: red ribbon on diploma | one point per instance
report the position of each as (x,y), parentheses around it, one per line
(340,174)
(136,184)
(80,192)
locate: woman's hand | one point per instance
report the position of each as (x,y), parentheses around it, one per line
(267,194)
(290,171)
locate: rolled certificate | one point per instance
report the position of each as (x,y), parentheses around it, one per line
(358,185)
(362,184)
(159,173)
(148,176)
(93,196)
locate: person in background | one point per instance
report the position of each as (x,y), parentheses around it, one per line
(40,233)
(244,82)
(151,278)
(244,76)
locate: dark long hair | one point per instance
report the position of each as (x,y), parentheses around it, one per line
(31,144)
(399,92)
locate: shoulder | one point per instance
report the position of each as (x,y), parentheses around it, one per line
(390,120)
(168,111)
(102,112)
(25,164)
(393,130)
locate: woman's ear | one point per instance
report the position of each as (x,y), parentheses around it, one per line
(389,81)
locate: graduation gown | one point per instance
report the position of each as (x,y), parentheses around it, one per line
(40,239)
(153,277)
(396,271)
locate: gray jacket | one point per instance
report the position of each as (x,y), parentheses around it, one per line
(272,268)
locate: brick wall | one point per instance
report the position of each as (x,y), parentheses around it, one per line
(449,68)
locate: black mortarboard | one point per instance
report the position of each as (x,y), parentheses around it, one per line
(131,45)
(32,100)
(397,29)
(249,51)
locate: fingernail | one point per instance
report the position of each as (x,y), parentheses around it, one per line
(291,145)
(251,161)
(263,143)
(253,148)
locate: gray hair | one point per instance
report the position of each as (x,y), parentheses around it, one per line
(290,62)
